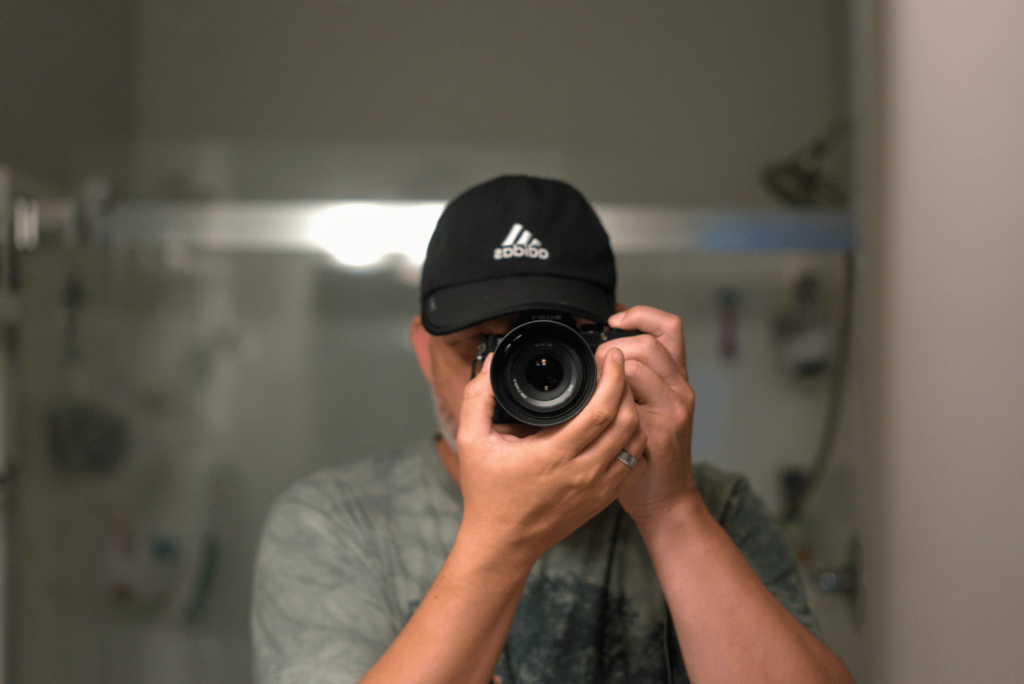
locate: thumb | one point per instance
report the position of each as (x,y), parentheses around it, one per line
(477,411)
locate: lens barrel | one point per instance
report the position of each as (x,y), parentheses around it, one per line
(543,373)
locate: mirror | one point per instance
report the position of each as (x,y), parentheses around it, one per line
(170,393)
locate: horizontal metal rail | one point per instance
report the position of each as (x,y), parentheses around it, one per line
(363,233)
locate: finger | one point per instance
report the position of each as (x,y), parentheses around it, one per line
(663,326)
(631,477)
(600,412)
(649,387)
(650,352)
(635,447)
(477,411)
(621,474)
(625,431)
(658,403)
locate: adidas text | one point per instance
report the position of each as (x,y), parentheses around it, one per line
(514,251)
(520,243)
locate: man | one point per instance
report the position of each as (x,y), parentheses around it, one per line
(582,552)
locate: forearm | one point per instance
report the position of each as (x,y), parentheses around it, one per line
(730,627)
(460,627)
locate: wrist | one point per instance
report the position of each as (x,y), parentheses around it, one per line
(684,516)
(489,554)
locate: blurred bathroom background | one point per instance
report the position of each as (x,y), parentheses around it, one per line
(212,215)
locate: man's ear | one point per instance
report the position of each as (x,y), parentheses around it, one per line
(420,339)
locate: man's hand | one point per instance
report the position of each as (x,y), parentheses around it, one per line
(525,494)
(656,374)
(521,496)
(729,626)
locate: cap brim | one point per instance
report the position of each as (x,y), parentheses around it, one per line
(455,308)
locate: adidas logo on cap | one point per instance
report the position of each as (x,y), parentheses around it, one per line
(520,243)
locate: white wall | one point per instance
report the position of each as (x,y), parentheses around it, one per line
(657,101)
(943,322)
(65,78)
(663,102)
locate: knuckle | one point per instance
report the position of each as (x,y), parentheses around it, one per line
(631,419)
(632,368)
(583,478)
(680,411)
(599,416)
(648,344)
(689,400)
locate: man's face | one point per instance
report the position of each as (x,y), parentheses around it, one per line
(447,365)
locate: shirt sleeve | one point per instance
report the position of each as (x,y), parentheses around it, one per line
(321,610)
(752,529)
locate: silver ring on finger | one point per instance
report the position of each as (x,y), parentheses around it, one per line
(626,458)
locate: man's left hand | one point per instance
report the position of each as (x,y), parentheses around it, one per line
(656,373)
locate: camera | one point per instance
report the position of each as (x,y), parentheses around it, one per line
(543,372)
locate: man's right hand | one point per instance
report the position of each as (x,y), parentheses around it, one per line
(523,495)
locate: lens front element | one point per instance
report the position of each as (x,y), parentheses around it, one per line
(543,373)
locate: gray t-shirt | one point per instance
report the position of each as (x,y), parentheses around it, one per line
(348,553)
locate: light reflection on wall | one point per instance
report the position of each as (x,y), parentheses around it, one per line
(364,235)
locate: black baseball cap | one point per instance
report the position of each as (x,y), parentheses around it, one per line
(512,244)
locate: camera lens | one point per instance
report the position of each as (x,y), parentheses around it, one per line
(544,373)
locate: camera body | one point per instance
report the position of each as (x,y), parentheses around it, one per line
(543,372)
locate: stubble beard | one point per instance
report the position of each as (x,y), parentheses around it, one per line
(447,424)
